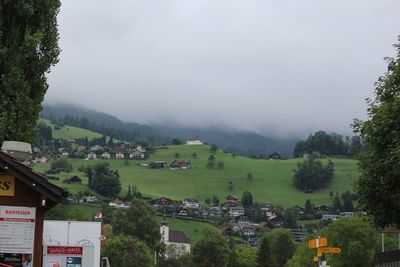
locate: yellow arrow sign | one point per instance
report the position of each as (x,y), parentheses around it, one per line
(316,243)
(329,250)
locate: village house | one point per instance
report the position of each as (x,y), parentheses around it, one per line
(158,164)
(327,217)
(119,155)
(106,155)
(160,201)
(117,203)
(214,213)
(194,141)
(236,211)
(176,242)
(232,199)
(191,203)
(91,156)
(180,165)
(73,180)
(274,156)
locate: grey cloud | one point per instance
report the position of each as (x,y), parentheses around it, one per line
(281,67)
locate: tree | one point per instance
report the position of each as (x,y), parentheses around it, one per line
(127,251)
(265,258)
(290,217)
(283,245)
(102,179)
(194,155)
(215,200)
(347,201)
(312,175)
(129,194)
(214,149)
(230,186)
(28,48)
(355,236)
(249,176)
(221,164)
(138,221)
(210,164)
(176,141)
(177,155)
(62,164)
(211,250)
(379,162)
(247,199)
(245,257)
(308,207)
(337,203)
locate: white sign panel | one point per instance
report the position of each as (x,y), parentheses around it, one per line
(52,262)
(17,229)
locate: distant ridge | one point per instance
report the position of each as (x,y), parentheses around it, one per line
(234,141)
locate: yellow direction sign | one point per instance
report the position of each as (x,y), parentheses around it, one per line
(329,250)
(316,243)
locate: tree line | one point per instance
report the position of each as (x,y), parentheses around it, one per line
(329,144)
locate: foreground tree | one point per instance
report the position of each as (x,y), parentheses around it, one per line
(245,257)
(127,251)
(211,251)
(28,48)
(379,163)
(138,221)
(354,235)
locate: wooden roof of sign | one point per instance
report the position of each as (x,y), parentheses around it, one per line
(39,183)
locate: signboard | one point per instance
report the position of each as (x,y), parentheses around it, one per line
(7,185)
(316,243)
(330,250)
(74,262)
(17,229)
(52,262)
(64,250)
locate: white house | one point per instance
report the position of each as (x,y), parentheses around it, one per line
(119,155)
(116,203)
(327,217)
(236,211)
(191,203)
(106,155)
(91,155)
(194,141)
(175,241)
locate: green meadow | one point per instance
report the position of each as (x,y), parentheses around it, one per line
(70,132)
(271,182)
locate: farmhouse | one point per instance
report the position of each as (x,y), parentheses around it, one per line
(91,156)
(180,165)
(73,180)
(119,155)
(137,153)
(194,141)
(176,243)
(214,213)
(117,203)
(106,155)
(191,203)
(231,199)
(161,201)
(236,211)
(158,164)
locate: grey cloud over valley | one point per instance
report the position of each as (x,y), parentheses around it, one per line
(278,67)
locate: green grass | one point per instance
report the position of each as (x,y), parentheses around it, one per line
(271,182)
(71,132)
(192,229)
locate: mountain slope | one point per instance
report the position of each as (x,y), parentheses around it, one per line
(234,141)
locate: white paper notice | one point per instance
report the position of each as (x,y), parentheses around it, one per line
(52,262)
(17,229)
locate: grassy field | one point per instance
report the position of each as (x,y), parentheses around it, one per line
(71,132)
(271,182)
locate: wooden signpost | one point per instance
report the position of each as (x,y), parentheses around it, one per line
(321,244)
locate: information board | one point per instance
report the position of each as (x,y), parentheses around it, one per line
(17,235)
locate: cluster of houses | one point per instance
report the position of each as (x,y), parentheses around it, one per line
(118,151)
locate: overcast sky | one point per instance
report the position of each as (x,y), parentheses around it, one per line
(286,67)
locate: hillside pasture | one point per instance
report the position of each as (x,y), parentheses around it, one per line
(271,181)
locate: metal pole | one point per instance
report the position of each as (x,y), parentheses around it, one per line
(383,242)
